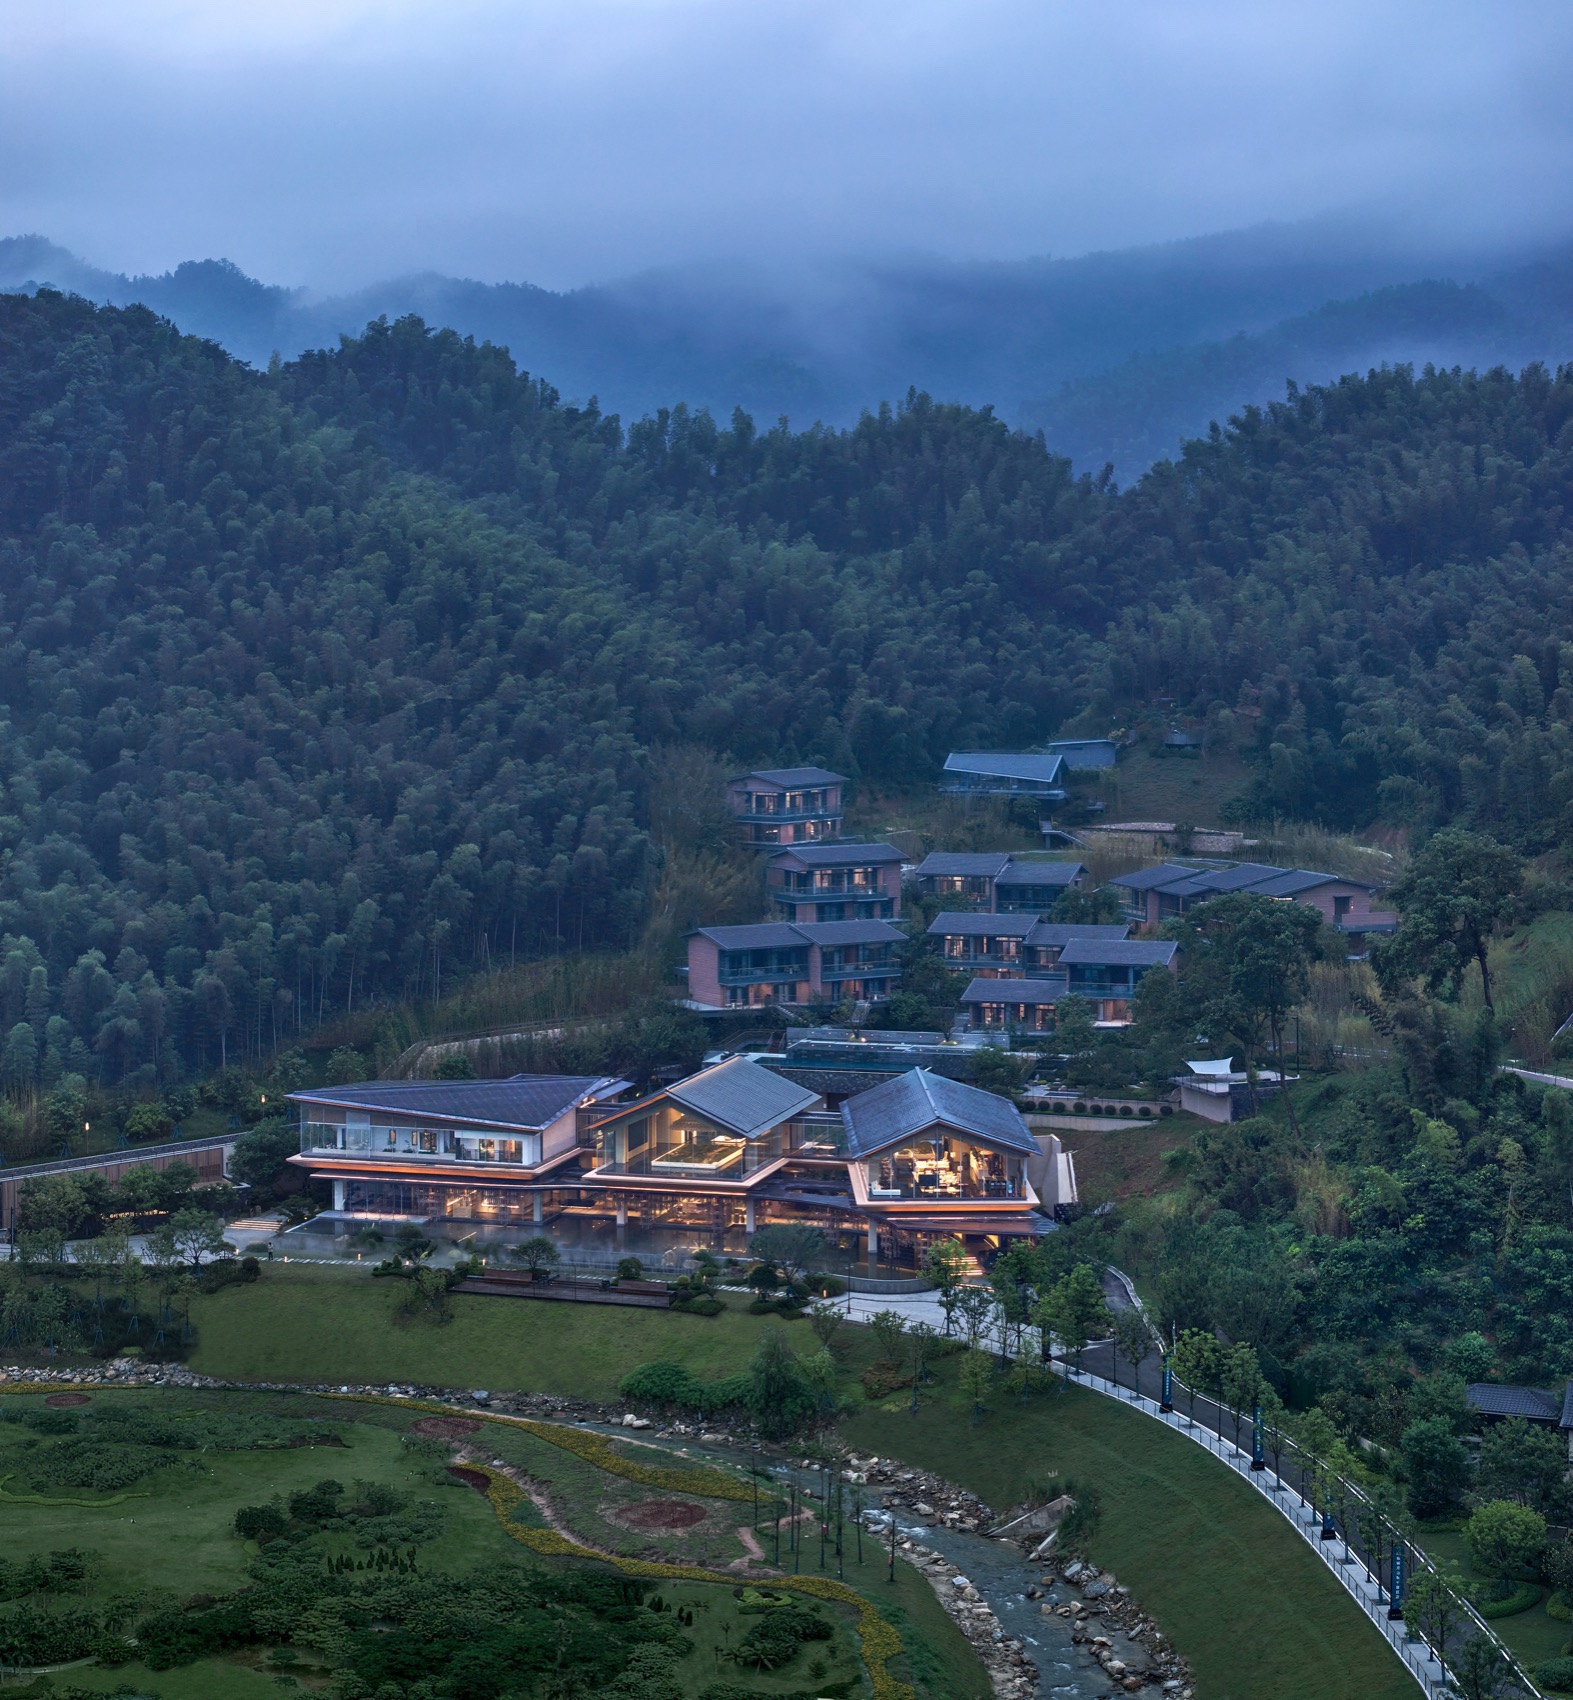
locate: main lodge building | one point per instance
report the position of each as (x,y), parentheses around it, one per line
(703,1162)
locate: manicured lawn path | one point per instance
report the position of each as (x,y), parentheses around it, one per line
(1234,1587)
(1225,1576)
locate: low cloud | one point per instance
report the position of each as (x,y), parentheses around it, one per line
(563,141)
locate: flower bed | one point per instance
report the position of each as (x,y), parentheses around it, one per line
(877,1639)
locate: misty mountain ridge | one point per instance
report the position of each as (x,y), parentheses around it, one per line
(1117,357)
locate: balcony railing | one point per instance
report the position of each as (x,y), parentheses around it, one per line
(438,1147)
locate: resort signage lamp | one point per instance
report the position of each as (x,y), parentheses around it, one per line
(1257,1460)
(1395,1606)
(1167,1402)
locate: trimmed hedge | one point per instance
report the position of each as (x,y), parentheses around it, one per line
(1525,1597)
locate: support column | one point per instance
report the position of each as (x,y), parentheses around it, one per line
(537,1207)
(748,1217)
(873,1242)
(338,1195)
(622,1210)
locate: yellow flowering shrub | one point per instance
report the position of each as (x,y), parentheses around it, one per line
(877,1640)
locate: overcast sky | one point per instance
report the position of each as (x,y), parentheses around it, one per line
(562,141)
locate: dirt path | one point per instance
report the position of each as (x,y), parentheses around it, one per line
(541,1500)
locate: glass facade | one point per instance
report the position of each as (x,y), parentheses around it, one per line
(455,1145)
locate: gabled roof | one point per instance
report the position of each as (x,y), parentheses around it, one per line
(848,932)
(527,1101)
(742,1096)
(1538,1404)
(913,1102)
(1046,992)
(788,935)
(1151,879)
(837,854)
(988,864)
(1048,934)
(1244,876)
(1297,880)
(959,924)
(1006,764)
(761,935)
(1040,873)
(789,777)
(1118,953)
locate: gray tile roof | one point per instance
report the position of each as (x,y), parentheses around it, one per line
(528,1101)
(1150,879)
(837,854)
(962,925)
(793,777)
(980,865)
(741,1095)
(1006,764)
(1244,876)
(1538,1404)
(1015,991)
(1303,879)
(849,932)
(914,1102)
(1040,873)
(762,935)
(1118,953)
(1047,934)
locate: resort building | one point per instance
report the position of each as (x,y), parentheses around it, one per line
(702,1163)
(1153,895)
(995,882)
(1011,946)
(792,962)
(1004,773)
(487,1151)
(837,881)
(786,805)
(1104,971)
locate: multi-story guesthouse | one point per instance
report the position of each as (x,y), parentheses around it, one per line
(837,881)
(792,962)
(995,882)
(1152,895)
(786,805)
(700,1163)
(1011,945)
(1103,971)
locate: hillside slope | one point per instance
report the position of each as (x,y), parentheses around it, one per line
(327,684)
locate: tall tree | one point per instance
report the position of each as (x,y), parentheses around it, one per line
(1453,897)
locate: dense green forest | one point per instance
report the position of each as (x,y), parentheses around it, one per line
(334,683)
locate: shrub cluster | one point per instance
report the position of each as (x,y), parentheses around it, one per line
(675,1386)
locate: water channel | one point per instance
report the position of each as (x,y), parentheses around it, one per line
(999,1571)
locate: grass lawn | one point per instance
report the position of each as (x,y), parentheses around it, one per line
(170,1537)
(301,1323)
(1532,1635)
(1224,1575)
(1127,1162)
(176,1533)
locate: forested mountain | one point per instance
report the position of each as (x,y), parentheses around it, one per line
(328,683)
(1116,357)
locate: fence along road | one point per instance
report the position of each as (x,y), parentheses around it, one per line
(1354,1573)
